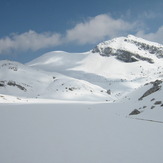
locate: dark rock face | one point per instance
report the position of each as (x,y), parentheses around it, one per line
(105,49)
(126,56)
(12,83)
(158,103)
(149,48)
(122,55)
(135,112)
(108,91)
(156,86)
(2,83)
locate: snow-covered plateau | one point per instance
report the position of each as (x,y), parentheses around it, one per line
(101,106)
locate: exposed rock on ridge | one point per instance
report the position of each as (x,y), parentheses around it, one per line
(156,86)
(124,51)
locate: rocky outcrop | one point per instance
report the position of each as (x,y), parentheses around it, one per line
(12,83)
(158,51)
(122,55)
(130,49)
(126,56)
(135,112)
(156,86)
(108,91)
(2,83)
(158,103)
(9,65)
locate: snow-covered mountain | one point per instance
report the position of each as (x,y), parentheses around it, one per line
(24,81)
(113,71)
(87,106)
(130,49)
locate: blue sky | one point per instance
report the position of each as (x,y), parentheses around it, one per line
(29,28)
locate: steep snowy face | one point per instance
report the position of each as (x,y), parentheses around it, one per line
(130,49)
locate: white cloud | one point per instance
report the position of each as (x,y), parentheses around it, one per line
(29,41)
(157,36)
(91,31)
(98,28)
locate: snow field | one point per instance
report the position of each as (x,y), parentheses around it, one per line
(70,133)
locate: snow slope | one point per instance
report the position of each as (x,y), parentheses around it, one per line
(23,81)
(77,133)
(120,65)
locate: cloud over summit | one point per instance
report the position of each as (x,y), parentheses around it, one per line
(91,31)
(98,28)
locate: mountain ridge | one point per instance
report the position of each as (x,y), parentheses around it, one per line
(130,49)
(110,72)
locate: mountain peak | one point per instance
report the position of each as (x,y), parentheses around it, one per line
(130,49)
(139,39)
